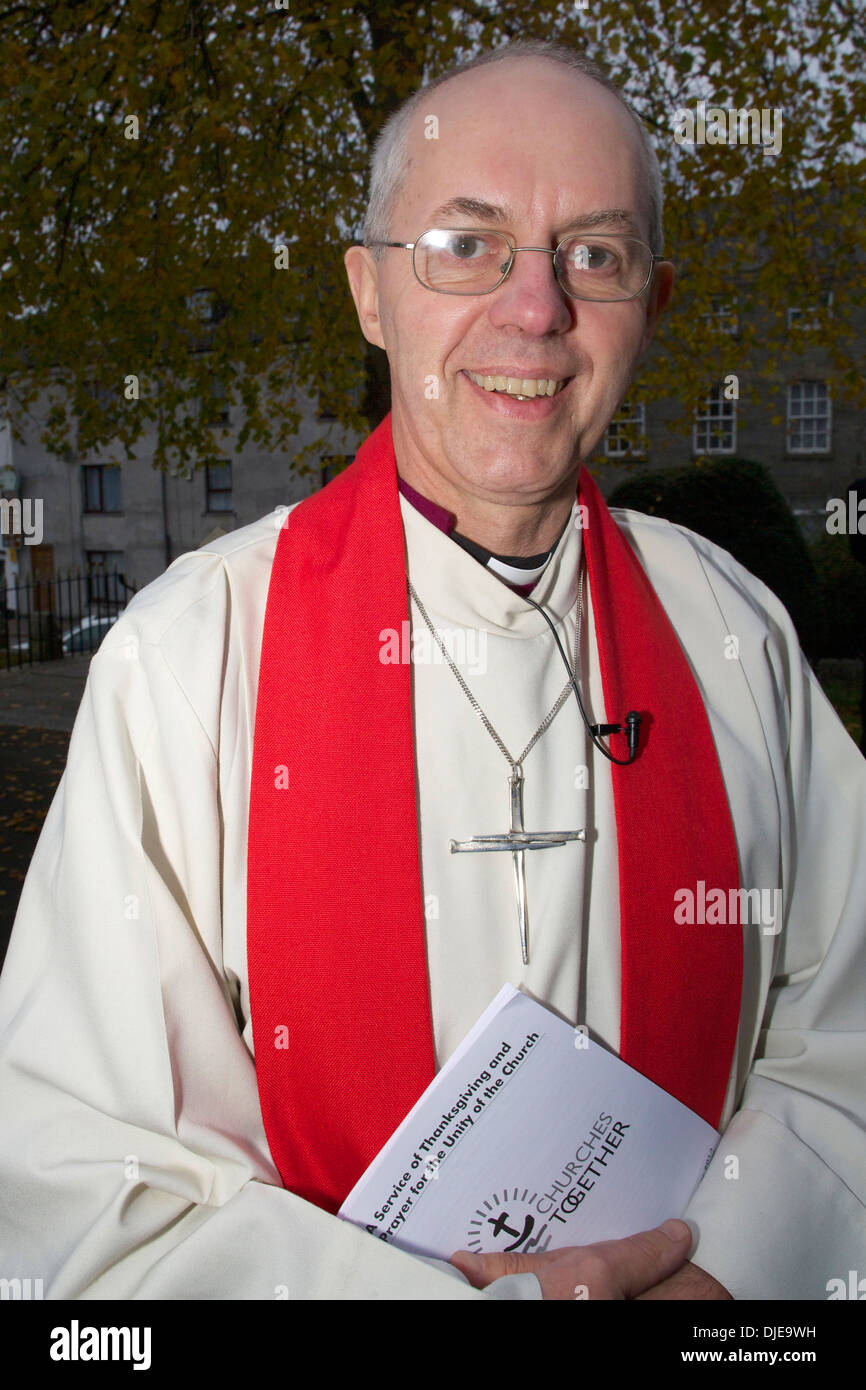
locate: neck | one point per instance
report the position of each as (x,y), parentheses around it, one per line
(502,526)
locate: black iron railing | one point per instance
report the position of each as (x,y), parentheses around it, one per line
(48,619)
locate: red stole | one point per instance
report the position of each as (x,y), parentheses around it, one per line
(335,932)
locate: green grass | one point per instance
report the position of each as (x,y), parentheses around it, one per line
(843,692)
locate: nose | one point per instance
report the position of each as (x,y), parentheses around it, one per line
(530,297)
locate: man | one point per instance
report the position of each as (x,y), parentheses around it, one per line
(250,850)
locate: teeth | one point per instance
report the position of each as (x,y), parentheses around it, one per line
(524,388)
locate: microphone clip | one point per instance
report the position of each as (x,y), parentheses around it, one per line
(631,731)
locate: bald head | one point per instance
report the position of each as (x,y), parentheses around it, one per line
(398,143)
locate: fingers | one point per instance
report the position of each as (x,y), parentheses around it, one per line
(645,1259)
(690,1283)
(611,1269)
(481,1270)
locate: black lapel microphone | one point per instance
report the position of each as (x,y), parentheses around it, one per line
(596,731)
(632,733)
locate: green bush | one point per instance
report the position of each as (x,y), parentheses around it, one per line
(736,504)
(842,586)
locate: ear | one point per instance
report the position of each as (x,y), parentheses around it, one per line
(658,297)
(363,273)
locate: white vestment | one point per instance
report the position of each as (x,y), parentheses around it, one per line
(133,1160)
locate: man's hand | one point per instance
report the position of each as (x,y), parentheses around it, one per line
(690,1282)
(611,1269)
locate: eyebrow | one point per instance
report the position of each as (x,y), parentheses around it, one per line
(481,211)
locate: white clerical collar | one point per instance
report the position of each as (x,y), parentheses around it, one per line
(514,569)
(518,570)
(451,581)
(514,575)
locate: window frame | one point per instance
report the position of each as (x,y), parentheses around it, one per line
(96,573)
(723,309)
(790,419)
(99,471)
(212,490)
(636,418)
(703,417)
(800,323)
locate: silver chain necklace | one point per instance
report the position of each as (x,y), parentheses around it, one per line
(517,840)
(548,719)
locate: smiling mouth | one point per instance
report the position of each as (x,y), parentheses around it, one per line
(522,388)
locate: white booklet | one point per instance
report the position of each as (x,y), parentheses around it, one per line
(531,1137)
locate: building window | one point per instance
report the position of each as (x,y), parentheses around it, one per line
(626,433)
(810,318)
(100,487)
(203,305)
(105,582)
(214,408)
(809,417)
(107,397)
(218,487)
(715,427)
(723,316)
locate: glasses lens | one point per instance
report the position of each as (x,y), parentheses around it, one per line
(461,262)
(603,267)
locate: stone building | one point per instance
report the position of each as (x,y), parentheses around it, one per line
(100,518)
(813,445)
(133,519)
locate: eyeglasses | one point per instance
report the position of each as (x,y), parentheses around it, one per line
(469,261)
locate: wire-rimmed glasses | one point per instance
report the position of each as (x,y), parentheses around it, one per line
(607,267)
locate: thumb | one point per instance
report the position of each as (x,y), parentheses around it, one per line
(643,1260)
(481,1270)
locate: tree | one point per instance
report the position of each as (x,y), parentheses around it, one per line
(181,179)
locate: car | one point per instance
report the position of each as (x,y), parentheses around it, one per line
(87,635)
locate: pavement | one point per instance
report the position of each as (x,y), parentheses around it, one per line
(38,705)
(45,695)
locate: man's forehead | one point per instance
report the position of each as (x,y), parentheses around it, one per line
(512,132)
(478,210)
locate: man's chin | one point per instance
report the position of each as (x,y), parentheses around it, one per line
(516,476)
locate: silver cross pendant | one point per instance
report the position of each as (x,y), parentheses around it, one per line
(517,841)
